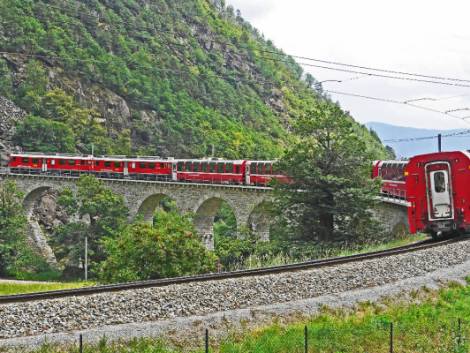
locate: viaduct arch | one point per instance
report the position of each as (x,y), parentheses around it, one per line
(249,204)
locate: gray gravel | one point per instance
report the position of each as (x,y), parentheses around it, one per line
(149,311)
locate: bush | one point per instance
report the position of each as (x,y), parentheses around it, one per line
(167,249)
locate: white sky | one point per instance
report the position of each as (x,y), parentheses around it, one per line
(421,36)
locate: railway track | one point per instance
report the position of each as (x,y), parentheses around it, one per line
(426,244)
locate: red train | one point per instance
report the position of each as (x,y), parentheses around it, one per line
(436,187)
(217,171)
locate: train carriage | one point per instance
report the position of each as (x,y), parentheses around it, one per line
(260,173)
(392,174)
(439,193)
(209,170)
(216,171)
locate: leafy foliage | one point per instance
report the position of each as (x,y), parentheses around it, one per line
(43,135)
(168,248)
(17,258)
(193,73)
(101,214)
(330,193)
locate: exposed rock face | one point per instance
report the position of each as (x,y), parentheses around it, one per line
(48,213)
(10,115)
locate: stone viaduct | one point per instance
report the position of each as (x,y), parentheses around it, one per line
(249,204)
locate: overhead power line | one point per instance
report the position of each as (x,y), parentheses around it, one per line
(422,138)
(394,101)
(435,77)
(385,76)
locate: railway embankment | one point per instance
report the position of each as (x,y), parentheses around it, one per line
(226,304)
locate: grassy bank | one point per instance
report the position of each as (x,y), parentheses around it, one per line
(427,321)
(8,288)
(273,254)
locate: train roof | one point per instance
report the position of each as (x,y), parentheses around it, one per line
(393,162)
(150,159)
(214,160)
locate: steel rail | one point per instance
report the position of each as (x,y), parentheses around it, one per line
(426,244)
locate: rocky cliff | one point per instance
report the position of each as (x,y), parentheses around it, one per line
(10,116)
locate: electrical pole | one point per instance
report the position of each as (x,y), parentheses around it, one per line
(439,142)
(86,258)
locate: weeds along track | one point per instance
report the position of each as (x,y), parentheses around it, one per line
(329,262)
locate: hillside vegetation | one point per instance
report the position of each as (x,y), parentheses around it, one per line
(163,77)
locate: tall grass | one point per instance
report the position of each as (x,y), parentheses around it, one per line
(316,252)
(8,288)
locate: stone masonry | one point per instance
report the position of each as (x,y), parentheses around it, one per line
(249,204)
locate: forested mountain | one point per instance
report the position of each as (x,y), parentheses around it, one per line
(160,77)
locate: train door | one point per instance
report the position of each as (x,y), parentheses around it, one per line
(173,171)
(439,191)
(247,173)
(44,165)
(126,168)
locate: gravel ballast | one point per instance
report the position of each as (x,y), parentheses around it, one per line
(150,311)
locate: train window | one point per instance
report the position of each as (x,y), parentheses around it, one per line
(152,165)
(221,168)
(83,162)
(107,164)
(97,163)
(35,161)
(229,168)
(62,161)
(253,168)
(237,169)
(72,161)
(52,161)
(211,167)
(275,169)
(269,168)
(180,166)
(117,164)
(142,165)
(25,160)
(204,167)
(196,167)
(439,182)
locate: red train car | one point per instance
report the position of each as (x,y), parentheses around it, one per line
(392,174)
(149,168)
(438,189)
(33,163)
(215,171)
(261,173)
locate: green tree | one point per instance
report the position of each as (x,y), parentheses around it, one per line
(43,135)
(101,213)
(6,82)
(17,258)
(60,106)
(330,193)
(33,87)
(169,248)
